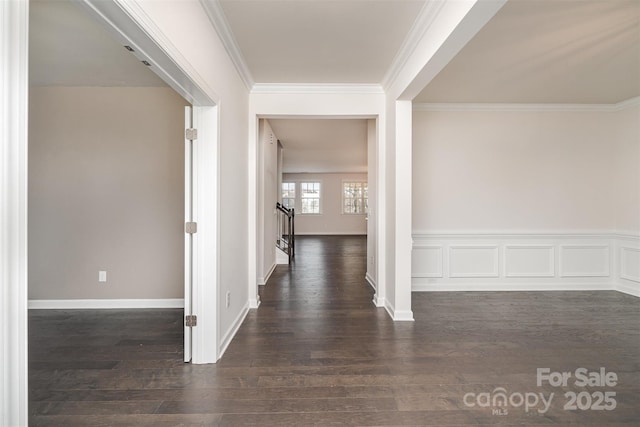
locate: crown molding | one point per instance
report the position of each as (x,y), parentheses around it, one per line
(221,25)
(421,25)
(505,234)
(506,107)
(311,88)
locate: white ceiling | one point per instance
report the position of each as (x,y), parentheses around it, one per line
(563,51)
(576,52)
(322,145)
(67,47)
(320,41)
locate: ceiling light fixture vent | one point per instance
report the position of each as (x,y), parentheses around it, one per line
(129,48)
(146,63)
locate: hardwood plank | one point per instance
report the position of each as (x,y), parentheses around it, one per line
(317,352)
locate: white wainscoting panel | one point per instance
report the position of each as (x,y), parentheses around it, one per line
(473,261)
(525,261)
(529,261)
(427,261)
(584,260)
(630,263)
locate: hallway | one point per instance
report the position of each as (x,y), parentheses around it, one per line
(317,352)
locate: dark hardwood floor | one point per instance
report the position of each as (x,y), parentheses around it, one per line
(317,352)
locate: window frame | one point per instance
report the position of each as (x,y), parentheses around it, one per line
(295,194)
(299,197)
(364,199)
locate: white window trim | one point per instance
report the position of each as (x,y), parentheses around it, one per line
(295,190)
(299,197)
(342,198)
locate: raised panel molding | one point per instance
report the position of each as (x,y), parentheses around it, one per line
(630,263)
(529,261)
(584,261)
(523,260)
(473,261)
(427,261)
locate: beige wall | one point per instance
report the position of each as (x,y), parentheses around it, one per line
(331,220)
(626,167)
(518,170)
(106,191)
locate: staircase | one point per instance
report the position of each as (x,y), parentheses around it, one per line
(286,238)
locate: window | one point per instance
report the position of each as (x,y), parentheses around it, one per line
(289,195)
(310,197)
(354,198)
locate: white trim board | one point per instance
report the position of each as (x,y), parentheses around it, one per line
(218,20)
(316,88)
(628,289)
(98,304)
(371,281)
(506,107)
(263,280)
(329,233)
(427,15)
(233,330)
(129,23)
(14,104)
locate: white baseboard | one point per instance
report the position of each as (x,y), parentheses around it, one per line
(628,289)
(398,315)
(371,281)
(91,304)
(263,280)
(330,233)
(281,257)
(228,336)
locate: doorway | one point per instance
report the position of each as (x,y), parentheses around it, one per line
(118,171)
(328,174)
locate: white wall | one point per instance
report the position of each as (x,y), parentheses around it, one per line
(526,200)
(268,146)
(196,43)
(331,220)
(106,193)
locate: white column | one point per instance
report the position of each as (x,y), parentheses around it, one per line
(252,205)
(14,32)
(403,239)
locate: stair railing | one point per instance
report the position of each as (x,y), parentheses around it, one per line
(286,238)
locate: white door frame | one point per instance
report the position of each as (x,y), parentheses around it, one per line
(14,96)
(317,101)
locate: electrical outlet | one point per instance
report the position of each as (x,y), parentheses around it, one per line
(228,301)
(102,276)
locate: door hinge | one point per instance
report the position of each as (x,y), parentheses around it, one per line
(191,134)
(190,320)
(191,227)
